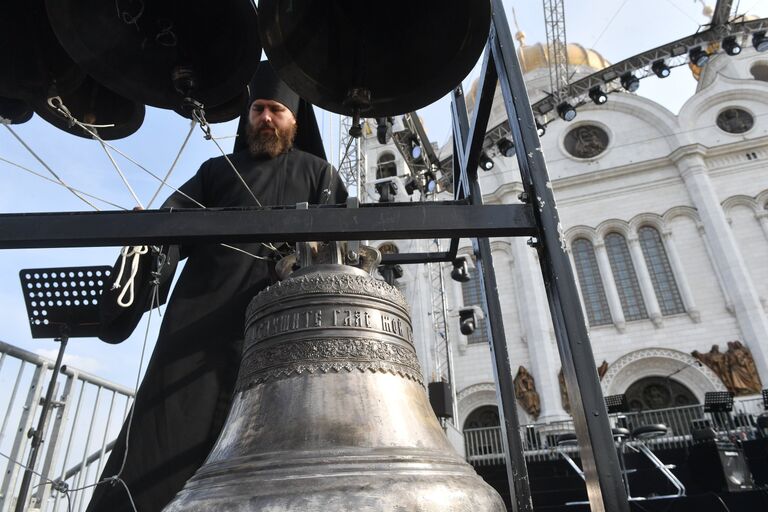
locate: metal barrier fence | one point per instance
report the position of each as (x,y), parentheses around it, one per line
(484,445)
(86,416)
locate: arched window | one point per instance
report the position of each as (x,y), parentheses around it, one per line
(591,284)
(386,166)
(472,296)
(624,275)
(661,272)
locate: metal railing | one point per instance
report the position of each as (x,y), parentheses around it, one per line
(484,446)
(86,416)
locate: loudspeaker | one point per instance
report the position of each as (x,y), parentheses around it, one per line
(440,399)
(720,467)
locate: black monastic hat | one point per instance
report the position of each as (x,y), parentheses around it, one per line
(265,84)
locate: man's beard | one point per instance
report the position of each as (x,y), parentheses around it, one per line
(270,142)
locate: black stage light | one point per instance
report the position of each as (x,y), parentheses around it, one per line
(698,56)
(460,272)
(540,129)
(467,320)
(566,111)
(630,82)
(730,46)
(415,150)
(486,163)
(597,95)
(506,147)
(660,69)
(760,41)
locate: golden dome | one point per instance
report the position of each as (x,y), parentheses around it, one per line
(535,57)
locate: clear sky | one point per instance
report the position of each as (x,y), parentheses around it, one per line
(615,28)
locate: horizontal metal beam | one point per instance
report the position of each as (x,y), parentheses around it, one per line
(233,225)
(415,257)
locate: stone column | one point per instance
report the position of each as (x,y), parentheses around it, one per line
(644,278)
(611,292)
(726,255)
(536,324)
(762,218)
(680,278)
(718,276)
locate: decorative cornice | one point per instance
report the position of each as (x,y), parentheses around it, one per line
(328,283)
(326,355)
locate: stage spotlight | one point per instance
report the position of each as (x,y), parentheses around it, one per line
(597,95)
(730,46)
(630,82)
(660,69)
(760,41)
(486,163)
(699,57)
(540,129)
(460,272)
(467,320)
(506,147)
(566,111)
(415,150)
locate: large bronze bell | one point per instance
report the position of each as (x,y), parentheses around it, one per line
(330,413)
(36,68)
(115,117)
(381,58)
(32,62)
(160,52)
(15,111)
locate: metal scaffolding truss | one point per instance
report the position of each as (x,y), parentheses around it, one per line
(674,54)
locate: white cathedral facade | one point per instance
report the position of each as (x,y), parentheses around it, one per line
(666,224)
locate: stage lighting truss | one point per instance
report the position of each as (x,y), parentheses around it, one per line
(724,35)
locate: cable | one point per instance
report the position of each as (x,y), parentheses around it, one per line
(608,24)
(173,165)
(48,167)
(199,115)
(61,184)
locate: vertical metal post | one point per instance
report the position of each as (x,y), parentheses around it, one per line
(605,487)
(20,441)
(54,446)
(467,144)
(39,432)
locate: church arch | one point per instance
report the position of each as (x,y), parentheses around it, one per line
(660,362)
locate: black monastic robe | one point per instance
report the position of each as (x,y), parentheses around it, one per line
(185,396)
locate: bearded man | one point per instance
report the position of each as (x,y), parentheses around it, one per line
(185,396)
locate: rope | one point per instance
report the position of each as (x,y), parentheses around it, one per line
(173,165)
(199,116)
(56,103)
(61,184)
(134,253)
(31,151)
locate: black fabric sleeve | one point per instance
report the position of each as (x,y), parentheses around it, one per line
(118,322)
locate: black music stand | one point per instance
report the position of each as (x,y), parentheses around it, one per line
(617,403)
(62,303)
(719,404)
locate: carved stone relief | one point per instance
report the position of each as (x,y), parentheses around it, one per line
(736,368)
(526,394)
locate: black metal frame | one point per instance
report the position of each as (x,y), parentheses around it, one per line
(452,220)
